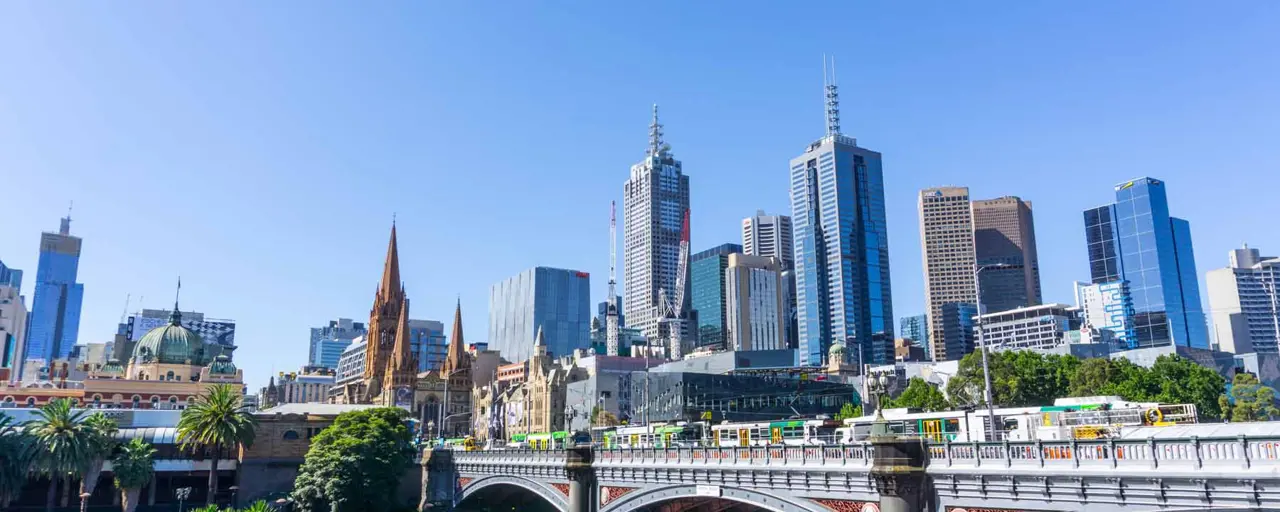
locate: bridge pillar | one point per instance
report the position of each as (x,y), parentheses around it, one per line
(439,480)
(898,468)
(581,478)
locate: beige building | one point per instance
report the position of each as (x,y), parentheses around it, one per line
(536,404)
(13,329)
(310,385)
(755,303)
(946,239)
(1004,235)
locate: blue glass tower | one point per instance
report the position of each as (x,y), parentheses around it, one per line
(841,247)
(556,300)
(55,308)
(706,277)
(1136,241)
(10,277)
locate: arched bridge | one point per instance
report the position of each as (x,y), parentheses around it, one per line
(1111,475)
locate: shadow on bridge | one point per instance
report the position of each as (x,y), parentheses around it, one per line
(699,505)
(505,498)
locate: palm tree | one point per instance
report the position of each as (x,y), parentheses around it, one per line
(65,443)
(103,443)
(16,452)
(215,421)
(133,468)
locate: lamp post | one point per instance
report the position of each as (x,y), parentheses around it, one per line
(986,368)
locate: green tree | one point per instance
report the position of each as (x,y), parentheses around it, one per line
(133,467)
(1178,380)
(1248,400)
(356,463)
(102,443)
(1020,378)
(920,394)
(216,421)
(66,446)
(602,418)
(848,410)
(17,450)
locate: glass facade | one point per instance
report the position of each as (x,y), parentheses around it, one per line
(841,250)
(706,276)
(10,277)
(916,329)
(328,342)
(1135,240)
(556,300)
(428,344)
(957,327)
(55,307)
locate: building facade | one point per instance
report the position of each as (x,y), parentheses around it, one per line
(328,342)
(946,238)
(557,301)
(428,344)
(390,371)
(10,276)
(955,329)
(655,201)
(217,331)
(769,236)
(1039,327)
(1107,307)
(755,309)
(1137,241)
(707,283)
(310,385)
(1004,241)
(1244,304)
(841,249)
(13,327)
(916,329)
(55,307)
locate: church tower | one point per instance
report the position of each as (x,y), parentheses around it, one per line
(456,358)
(387,326)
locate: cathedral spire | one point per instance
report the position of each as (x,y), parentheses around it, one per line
(401,356)
(456,357)
(391,285)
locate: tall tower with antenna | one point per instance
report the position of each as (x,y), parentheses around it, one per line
(611,310)
(841,294)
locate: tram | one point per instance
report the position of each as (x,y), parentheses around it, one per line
(655,435)
(788,432)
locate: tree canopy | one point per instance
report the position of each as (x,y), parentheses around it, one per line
(1248,400)
(848,410)
(356,463)
(920,394)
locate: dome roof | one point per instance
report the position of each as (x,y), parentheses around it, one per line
(836,348)
(170,344)
(112,366)
(222,365)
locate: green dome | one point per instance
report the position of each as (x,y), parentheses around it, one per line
(113,366)
(222,365)
(170,344)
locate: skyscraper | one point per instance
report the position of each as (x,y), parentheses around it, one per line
(655,199)
(841,247)
(706,274)
(55,307)
(755,309)
(328,342)
(10,277)
(555,300)
(916,329)
(1004,241)
(1137,241)
(428,344)
(769,236)
(946,238)
(1244,303)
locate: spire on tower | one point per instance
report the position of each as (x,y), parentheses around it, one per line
(832,93)
(455,357)
(175,318)
(656,146)
(391,269)
(65,227)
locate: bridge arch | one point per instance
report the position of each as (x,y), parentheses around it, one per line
(546,492)
(654,495)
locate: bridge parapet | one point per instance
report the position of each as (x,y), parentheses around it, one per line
(1190,454)
(858,456)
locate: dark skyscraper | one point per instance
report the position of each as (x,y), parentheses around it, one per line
(1004,234)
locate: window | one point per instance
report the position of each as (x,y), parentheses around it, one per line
(137,401)
(31,401)
(290,435)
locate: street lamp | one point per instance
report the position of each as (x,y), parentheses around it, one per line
(986,368)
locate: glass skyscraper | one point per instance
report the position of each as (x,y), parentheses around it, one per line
(556,300)
(328,342)
(1136,241)
(10,277)
(55,307)
(706,276)
(841,251)
(916,329)
(428,344)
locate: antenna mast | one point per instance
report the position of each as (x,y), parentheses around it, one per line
(833,97)
(611,309)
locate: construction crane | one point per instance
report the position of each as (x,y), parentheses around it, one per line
(673,318)
(611,310)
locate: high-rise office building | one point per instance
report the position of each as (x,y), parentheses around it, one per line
(55,306)
(557,301)
(13,328)
(946,238)
(841,247)
(1136,240)
(328,342)
(655,199)
(707,284)
(916,329)
(1107,307)
(755,309)
(10,277)
(428,344)
(1244,304)
(955,329)
(1004,242)
(769,236)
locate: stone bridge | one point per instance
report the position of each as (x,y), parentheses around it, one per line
(1173,474)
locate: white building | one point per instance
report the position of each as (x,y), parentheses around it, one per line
(1032,327)
(1243,302)
(1107,307)
(351,364)
(655,200)
(13,328)
(768,235)
(755,303)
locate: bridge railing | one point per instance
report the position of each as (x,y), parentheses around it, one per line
(1190,454)
(843,455)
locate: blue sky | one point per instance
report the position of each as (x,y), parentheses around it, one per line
(261,149)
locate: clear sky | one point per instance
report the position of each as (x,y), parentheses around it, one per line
(259,150)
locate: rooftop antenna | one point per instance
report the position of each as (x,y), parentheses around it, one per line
(611,309)
(65,227)
(832,96)
(655,135)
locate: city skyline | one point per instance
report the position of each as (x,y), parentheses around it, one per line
(258,262)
